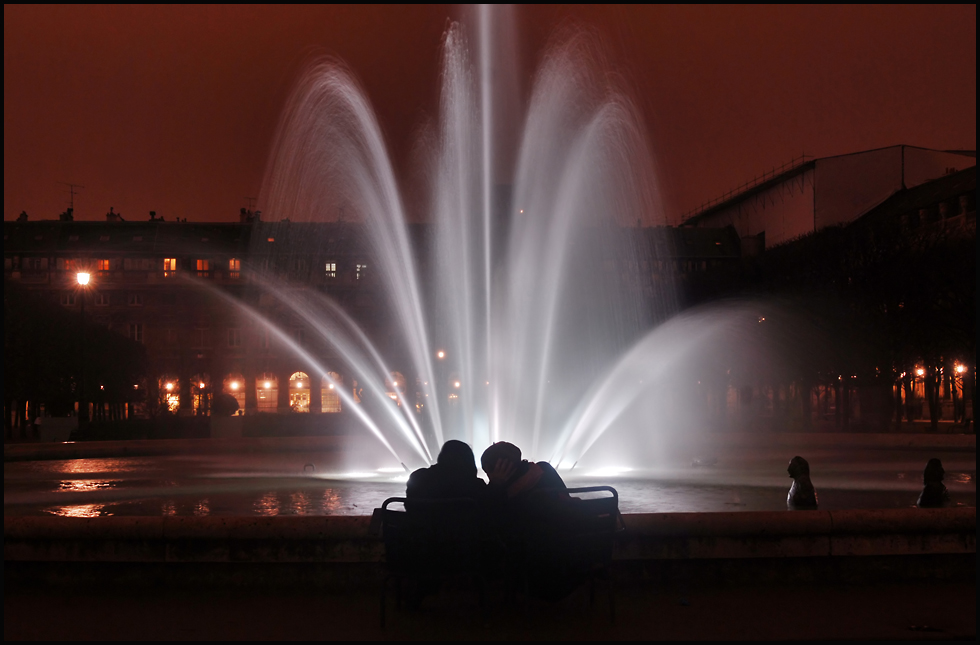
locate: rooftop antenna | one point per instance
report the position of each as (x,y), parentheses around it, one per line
(72,189)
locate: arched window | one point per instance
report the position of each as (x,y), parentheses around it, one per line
(299,392)
(330,392)
(201,394)
(395,387)
(234,384)
(267,393)
(170,393)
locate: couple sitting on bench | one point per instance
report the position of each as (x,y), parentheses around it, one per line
(527,519)
(454,475)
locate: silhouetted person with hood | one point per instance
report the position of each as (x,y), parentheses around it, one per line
(934,493)
(452,477)
(435,546)
(802,496)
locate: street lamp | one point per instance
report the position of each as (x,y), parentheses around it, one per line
(83,278)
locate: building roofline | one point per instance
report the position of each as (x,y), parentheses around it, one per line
(732,197)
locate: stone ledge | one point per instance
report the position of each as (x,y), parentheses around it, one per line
(346,539)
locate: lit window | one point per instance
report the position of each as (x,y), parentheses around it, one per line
(361,268)
(169,267)
(234,337)
(104,265)
(136,300)
(203,268)
(234,268)
(66,264)
(331,269)
(68,298)
(136,332)
(102,299)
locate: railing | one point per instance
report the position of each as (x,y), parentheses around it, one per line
(792,164)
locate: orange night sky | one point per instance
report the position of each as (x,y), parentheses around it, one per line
(173,109)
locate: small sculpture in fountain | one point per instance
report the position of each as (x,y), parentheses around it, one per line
(802,496)
(934,493)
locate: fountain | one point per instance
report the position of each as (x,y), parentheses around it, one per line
(526,297)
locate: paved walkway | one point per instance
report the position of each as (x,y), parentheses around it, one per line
(898,611)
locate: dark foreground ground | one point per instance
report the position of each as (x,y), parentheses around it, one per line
(892,611)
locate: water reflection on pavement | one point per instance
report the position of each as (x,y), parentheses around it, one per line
(322,484)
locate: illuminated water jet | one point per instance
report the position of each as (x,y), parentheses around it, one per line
(529,246)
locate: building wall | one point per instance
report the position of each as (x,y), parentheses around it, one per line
(148,284)
(829,191)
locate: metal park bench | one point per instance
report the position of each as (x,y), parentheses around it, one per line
(434,541)
(430,542)
(576,545)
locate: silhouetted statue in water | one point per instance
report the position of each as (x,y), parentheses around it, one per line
(802,496)
(934,493)
(452,477)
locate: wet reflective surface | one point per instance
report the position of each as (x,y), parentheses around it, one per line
(322,484)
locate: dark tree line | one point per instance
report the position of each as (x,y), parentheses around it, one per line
(43,359)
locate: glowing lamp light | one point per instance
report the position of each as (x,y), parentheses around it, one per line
(394,384)
(960,369)
(267,385)
(83,278)
(202,385)
(299,383)
(920,372)
(170,386)
(233,385)
(456,384)
(331,386)
(440,354)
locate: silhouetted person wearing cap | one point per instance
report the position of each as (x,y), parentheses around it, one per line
(934,493)
(802,496)
(534,515)
(514,478)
